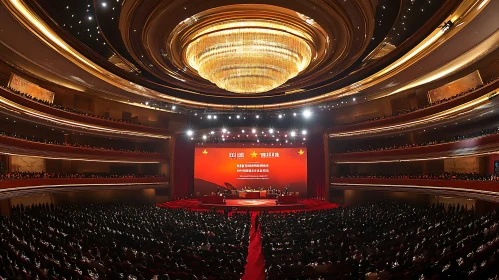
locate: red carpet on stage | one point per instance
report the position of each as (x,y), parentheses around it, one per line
(255,266)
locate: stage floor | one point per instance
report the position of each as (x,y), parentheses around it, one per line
(250,204)
(253,204)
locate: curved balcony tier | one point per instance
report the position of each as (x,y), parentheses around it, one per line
(483,190)
(20,147)
(478,146)
(42,113)
(418,119)
(13,188)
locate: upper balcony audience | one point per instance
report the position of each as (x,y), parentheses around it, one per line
(442,176)
(47,175)
(122,241)
(381,241)
(431,104)
(67,144)
(480,133)
(69,109)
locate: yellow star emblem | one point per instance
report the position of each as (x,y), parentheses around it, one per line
(254,154)
(205,152)
(301,152)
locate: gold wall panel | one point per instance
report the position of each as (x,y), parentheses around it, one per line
(465,83)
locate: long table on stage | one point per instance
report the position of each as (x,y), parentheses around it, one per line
(287,199)
(212,199)
(249,194)
(254,194)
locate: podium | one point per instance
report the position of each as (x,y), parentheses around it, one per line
(263,194)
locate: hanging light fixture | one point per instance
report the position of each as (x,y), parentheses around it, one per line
(249,55)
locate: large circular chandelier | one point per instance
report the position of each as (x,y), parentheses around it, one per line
(249,55)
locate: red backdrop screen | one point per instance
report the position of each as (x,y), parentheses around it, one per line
(250,167)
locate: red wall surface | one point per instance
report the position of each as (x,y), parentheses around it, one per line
(183,167)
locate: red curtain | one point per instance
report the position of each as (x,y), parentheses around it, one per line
(183,167)
(316,166)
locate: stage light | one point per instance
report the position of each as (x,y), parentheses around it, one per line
(174,107)
(253,131)
(209,117)
(238,116)
(212,132)
(304,139)
(242,131)
(271,130)
(190,132)
(280,116)
(307,113)
(286,141)
(258,141)
(257,116)
(293,133)
(354,99)
(224,130)
(304,132)
(277,140)
(192,138)
(215,117)
(204,137)
(230,117)
(104,4)
(147,103)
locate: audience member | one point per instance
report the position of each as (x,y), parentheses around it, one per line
(431,104)
(76,145)
(483,132)
(441,176)
(122,241)
(47,175)
(381,241)
(69,109)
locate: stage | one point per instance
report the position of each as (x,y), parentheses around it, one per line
(250,204)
